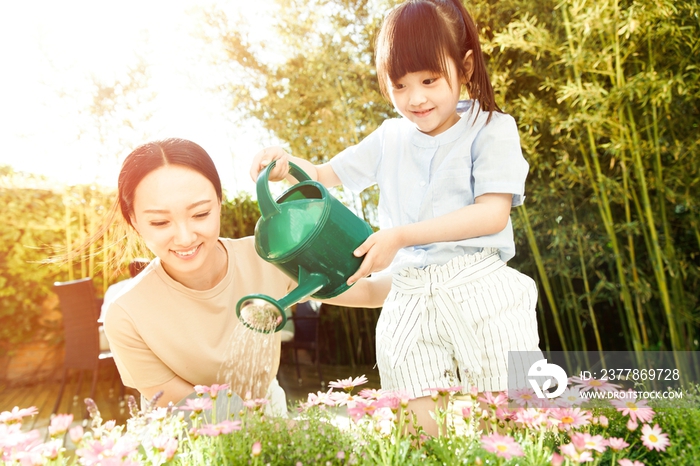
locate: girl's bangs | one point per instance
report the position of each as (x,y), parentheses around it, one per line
(415,39)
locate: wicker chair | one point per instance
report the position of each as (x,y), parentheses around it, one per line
(80,312)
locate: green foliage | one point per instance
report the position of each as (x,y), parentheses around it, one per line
(367,428)
(40,220)
(239,216)
(24,284)
(606,98)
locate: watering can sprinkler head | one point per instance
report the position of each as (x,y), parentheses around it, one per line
(261,313)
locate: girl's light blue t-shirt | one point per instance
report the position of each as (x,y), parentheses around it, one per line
(421,177)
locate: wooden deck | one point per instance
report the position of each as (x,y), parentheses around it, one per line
(108,401)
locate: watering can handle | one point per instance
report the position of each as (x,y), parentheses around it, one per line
(268,206)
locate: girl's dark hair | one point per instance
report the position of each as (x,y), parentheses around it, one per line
(150,156)
(420,35)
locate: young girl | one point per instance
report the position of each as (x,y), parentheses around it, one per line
(447,183)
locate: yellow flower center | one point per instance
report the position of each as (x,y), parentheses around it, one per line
(501,447)
(595,383)
(653,438)
(567,419)
(631,406)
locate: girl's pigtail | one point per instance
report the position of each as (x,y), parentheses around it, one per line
(479,85)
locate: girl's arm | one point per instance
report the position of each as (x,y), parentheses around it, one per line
(367,292)
(322,173)
(488,215)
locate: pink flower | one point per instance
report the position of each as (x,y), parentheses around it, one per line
(603,421)
(557,459)
(626,462)
(197,405)
(632,425)
(95,451)
(360,409)
(594,384)
(12,437)
(320,399)
(504,414)
(637,410)
(586,441)
(109,425)
(255,403)
(170,448)
(653,438)
(372,393)
(201,389)
(76,434)
(60,424)
(569,451)
(216,388)
(341,398)
(442,391)
(222,428)
(617,444)
(571,418)
(16,415)
(570,397)
(525,397)
(348,384)
(50,449)
(257,449)
(493,402)
(531,418)
(503,445)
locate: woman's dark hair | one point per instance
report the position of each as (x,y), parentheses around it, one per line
(420,35)
(116,230)
(153,155)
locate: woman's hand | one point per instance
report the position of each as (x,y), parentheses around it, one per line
(379,250)
(265,157)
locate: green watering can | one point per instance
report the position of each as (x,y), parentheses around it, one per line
(309,235)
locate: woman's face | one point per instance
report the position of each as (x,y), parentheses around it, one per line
(177,214)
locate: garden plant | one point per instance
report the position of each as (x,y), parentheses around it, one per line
(372,427)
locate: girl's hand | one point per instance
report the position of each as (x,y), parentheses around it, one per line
(379,250)
(265,157)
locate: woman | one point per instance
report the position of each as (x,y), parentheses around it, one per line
(171,329)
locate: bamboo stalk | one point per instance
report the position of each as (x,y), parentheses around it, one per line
(656,254)
(597,183)
(69,239)
(631,248)
(587,287)
(81,232)
(93,246)
(522,211)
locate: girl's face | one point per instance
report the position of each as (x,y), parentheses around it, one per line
(177,213)
(428,99)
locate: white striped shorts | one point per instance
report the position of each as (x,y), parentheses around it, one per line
(453,325)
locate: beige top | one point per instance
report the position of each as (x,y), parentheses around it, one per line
(158,328)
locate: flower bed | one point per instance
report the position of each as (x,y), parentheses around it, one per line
(371,427)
